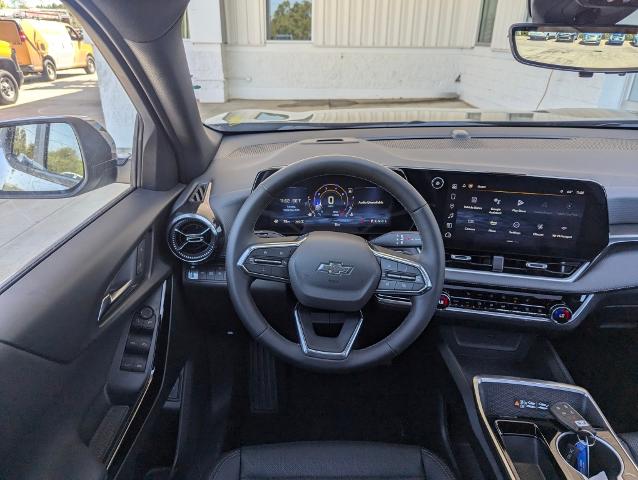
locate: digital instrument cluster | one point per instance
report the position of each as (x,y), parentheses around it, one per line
(332,203)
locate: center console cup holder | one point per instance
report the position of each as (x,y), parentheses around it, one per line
(602,457)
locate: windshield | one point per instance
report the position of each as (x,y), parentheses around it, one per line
(285,64)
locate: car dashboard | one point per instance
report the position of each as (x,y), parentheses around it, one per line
(539,225)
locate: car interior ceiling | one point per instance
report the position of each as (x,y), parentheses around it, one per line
(291,347)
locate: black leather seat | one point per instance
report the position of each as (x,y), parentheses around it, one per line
(331,460)
(631,442)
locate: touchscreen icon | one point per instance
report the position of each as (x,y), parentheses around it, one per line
(474,199)
(448,225)
(448,235)
(497,201)
(516,225)
(520,202)
(540,226)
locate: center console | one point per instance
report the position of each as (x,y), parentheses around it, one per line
(520,418)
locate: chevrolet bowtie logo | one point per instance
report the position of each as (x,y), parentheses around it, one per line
(335,268)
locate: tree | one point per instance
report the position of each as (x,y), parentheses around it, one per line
(52,6)
(291,21)
(65,159)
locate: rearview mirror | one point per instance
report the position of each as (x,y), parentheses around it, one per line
(54,157)
(612,49)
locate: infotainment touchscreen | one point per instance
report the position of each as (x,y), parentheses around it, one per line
(515,214)
(503,218)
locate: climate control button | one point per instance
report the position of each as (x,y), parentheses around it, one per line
(561,313)
(444,301)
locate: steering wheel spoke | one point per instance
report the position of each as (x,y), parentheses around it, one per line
(340,331)
(400,274)
(268,259)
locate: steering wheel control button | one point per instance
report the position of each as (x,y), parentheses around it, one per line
(279,271)
(269,261)
(385,284)
(258,268)
(437,183)
(389,265)
(561,313)
(401,276)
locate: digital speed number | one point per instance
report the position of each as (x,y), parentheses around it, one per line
(330,200)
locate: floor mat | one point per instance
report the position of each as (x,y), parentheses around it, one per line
(398,403)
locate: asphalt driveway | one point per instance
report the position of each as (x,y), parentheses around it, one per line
(73,93)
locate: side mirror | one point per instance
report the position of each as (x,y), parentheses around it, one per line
(54,157)
(609,49)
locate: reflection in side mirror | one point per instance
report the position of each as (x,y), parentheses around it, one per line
(612,49)
(40,157)
(54,157)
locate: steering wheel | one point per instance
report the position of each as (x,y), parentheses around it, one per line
(333,275)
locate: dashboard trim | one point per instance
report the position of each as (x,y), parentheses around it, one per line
(320,353)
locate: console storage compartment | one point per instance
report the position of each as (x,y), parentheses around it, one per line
(532,444)
(528,450)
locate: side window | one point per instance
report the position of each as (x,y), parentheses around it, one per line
(73,34)
(289,20)
(48,191)
(486,27)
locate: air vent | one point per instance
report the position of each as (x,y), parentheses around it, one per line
(199,194)
(470,262)
(192,238)
(540,267)
(533,266)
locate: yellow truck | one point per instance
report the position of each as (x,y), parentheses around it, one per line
(46,46)
(11,77)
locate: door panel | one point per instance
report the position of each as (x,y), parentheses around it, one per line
(62,317)
(57,371)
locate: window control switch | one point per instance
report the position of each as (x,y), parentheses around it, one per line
(147,324)
(133,363)
(136,343)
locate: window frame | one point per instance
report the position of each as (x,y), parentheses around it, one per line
(478,42)
(288,42)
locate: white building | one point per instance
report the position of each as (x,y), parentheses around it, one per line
(380,49)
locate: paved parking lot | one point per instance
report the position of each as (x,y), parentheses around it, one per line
(577,54)
(73,93)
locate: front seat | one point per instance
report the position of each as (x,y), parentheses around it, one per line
(631,442)
(331,460)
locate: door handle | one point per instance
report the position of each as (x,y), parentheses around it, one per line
(112,297)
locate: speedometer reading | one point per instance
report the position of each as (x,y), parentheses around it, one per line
(331,201)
